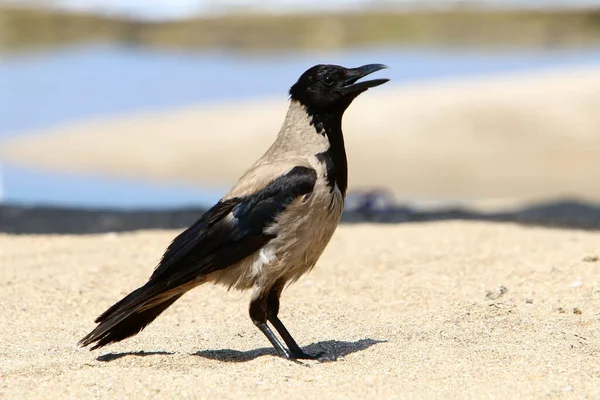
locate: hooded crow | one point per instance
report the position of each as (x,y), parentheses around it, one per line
(271,227)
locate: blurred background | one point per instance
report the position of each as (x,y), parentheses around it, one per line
(129,114)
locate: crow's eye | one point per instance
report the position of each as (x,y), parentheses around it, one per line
(328,80)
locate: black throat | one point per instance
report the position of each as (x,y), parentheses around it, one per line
(329,124)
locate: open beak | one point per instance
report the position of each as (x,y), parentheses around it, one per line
(354,74)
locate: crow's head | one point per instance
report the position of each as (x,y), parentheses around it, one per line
(331,87)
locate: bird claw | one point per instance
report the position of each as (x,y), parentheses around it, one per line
(320,356)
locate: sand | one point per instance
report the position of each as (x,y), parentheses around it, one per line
(522,136)
(409,311)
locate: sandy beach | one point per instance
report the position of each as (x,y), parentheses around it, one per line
(430,304)
(429,310)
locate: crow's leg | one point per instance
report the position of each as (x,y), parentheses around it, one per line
(258,314)
(272,309)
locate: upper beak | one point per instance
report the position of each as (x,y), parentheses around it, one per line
(354,74)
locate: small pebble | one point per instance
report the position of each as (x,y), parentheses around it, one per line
(501,291)
(576,284)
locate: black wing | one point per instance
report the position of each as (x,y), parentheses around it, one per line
(231,230)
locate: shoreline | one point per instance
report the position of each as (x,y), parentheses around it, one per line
(570,214)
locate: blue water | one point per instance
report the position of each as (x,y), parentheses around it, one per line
(46,89)
(51,88)
(31,187)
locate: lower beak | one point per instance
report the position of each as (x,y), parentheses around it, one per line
(354,74)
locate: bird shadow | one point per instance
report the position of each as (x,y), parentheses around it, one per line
(333,350)
(115,356)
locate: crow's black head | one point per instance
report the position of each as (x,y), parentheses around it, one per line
(328,87)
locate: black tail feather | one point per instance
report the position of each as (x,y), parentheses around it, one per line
(120,305)
(123,319)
